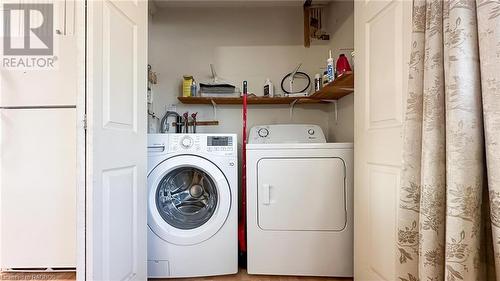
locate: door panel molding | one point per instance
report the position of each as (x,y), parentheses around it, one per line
(120,79)
(383,91)
(384,182)
(119,194)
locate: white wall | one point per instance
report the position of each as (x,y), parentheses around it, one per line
(244,44)
(341,27)
(247,44)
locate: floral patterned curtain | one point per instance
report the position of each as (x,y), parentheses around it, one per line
(448,226)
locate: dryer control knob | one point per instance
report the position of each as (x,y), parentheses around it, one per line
(263,132)
(310,132)
(187,142)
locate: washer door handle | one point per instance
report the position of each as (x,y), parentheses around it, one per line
(157,147)
(266,188)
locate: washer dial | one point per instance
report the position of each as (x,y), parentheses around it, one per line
(187,142)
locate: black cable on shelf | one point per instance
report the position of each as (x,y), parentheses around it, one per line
(297,74)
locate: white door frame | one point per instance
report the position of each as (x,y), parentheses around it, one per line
(80,30)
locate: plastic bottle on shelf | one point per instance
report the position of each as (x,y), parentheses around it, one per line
(268,88)
(193,88)
(342,65)
(325,78)
(330,67)
(318,84)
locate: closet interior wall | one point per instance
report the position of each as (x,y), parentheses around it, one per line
(246,43)
(341,27)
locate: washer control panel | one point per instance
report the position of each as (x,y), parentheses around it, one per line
(216,144)
(219,143)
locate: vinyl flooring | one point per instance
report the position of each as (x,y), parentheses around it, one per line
(241,276)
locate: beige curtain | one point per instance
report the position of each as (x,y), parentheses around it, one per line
(448,228)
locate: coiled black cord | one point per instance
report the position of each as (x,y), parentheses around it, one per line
(298,73)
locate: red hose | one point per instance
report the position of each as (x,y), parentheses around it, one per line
(242,224)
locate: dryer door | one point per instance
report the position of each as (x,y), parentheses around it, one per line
(301,194)
(189,200)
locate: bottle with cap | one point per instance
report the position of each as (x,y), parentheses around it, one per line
(317,82)
(268,88)
(329,67)
(193,88)
(325,78)
(342,65)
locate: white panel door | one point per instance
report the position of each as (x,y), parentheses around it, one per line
(382,43)
(38,194)
(116,140)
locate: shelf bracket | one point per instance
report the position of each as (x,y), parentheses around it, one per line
(335,104)
(335,109)
(292,105)
(214,105)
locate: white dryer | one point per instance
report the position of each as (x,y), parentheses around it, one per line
(192,205)
(299,202)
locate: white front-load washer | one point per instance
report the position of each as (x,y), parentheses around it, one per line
(299,202)
(192,205)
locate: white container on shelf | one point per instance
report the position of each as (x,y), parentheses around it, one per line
(268,88)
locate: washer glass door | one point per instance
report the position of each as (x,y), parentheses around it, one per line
(186,197)
(189,199)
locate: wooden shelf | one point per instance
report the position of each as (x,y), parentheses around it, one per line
(342,86)
(250,100)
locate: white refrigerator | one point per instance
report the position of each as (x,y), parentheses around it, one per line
(38,162)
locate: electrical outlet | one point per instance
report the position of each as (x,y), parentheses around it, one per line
(170,107)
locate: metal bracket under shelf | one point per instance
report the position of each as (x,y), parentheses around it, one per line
(335,106)
(292,106)
(214,105)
